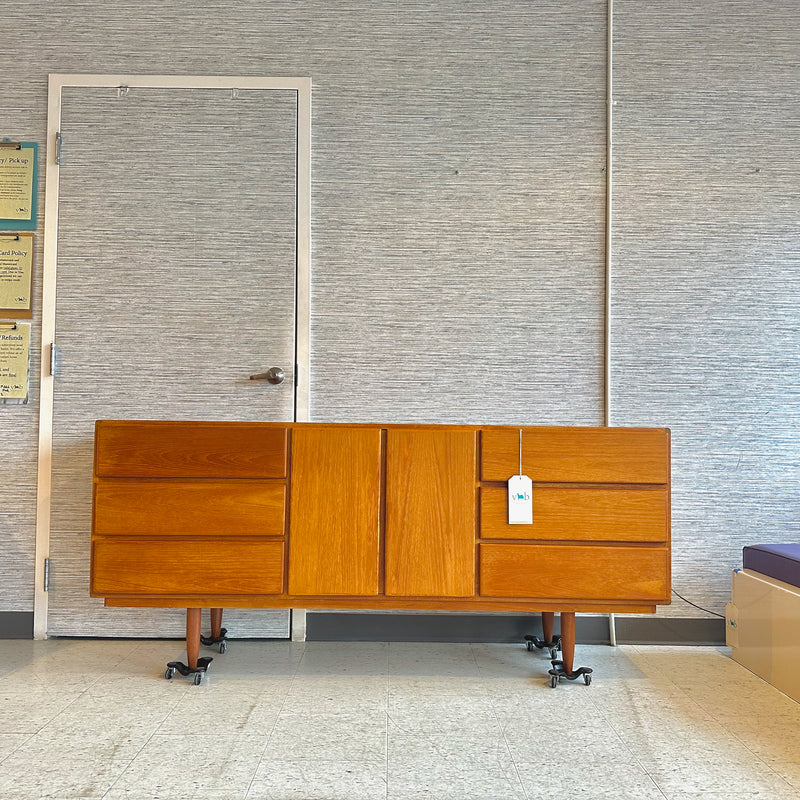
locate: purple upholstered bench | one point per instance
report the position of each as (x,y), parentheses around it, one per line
(779,561)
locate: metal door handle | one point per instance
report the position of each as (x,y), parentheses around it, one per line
(273,375)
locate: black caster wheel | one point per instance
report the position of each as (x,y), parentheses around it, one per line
(553,653)
(195,674)
(558,672)
(216,641)
(553,681)
(529,646)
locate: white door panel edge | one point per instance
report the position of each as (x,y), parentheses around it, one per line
(57,83)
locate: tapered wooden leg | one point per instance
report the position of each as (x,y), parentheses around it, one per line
(568,640)
(548,623)
(565,668)
(194,666)
(192,637)
(216,623)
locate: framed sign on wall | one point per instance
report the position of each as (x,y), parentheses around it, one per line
(18,174)
(16,274)
(15,341)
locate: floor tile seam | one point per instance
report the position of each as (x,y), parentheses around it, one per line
(72,642)
(502,729)
(757,757)
(660,672)
(661,791)
(17,670)
(171,709)
(654,778)
(665,725)
(8,755)
(502,768)
(147,741)
(609,721)
(72,702)
(122,772)
(483,674)
(274,724)
(156,730)
(689,697)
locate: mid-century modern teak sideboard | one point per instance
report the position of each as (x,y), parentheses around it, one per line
(345,516)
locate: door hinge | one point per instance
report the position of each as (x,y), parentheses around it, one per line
(47,574)
(55,358)
(59,143)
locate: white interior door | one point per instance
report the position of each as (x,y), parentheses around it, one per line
(176,280)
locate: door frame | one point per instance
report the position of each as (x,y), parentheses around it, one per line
(57,82)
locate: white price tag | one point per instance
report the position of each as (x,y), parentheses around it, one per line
(520,500)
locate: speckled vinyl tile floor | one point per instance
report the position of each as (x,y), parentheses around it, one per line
(375,721)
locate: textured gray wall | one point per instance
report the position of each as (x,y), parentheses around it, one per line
(706,301)
(458,268)
(457,224)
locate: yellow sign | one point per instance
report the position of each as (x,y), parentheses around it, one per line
(15,340)
(16,271)
(16,183)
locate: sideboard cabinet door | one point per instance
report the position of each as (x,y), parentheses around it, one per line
(430,513)
(334,519)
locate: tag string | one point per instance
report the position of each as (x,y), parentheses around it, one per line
(520,452)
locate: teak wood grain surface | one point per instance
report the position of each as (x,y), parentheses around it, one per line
(615,514)
(335,524)
(316,515)
(573,573)
(430,513)
(177,566)
(138,449)
(185,508)
(577,455)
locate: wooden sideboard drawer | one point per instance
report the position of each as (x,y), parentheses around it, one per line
(574,571)
(577,455)
(189,450)
(171,566)
(179,508)
(581,513)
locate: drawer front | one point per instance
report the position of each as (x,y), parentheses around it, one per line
(189,450)
(574,572)
(179,508)
(181,567)
(580,514)
(577,455)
